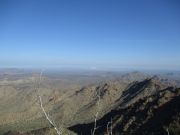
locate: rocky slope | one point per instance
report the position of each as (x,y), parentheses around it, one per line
(146,108)
(75,109)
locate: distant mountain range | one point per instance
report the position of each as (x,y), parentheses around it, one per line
(127,103)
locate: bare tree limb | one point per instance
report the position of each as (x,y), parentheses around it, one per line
(167,130)
(109,123)
(47,117)
(108,128)
(111,127)
(59,132)
(97,113)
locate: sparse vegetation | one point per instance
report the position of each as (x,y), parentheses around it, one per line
(118,106)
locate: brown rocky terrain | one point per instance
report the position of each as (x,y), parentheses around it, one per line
(148,114)
(72,106)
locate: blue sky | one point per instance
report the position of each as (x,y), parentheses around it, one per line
(102,34)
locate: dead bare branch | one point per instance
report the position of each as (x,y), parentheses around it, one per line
(109,132)
(167,130)
(97,113)
(58,131)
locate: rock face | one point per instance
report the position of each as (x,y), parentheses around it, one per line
(146,107)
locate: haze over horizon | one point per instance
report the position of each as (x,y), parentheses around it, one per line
(90,34)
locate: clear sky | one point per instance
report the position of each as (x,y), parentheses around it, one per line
(102,34)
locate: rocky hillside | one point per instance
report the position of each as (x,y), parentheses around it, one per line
(146,108)
(121,100)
